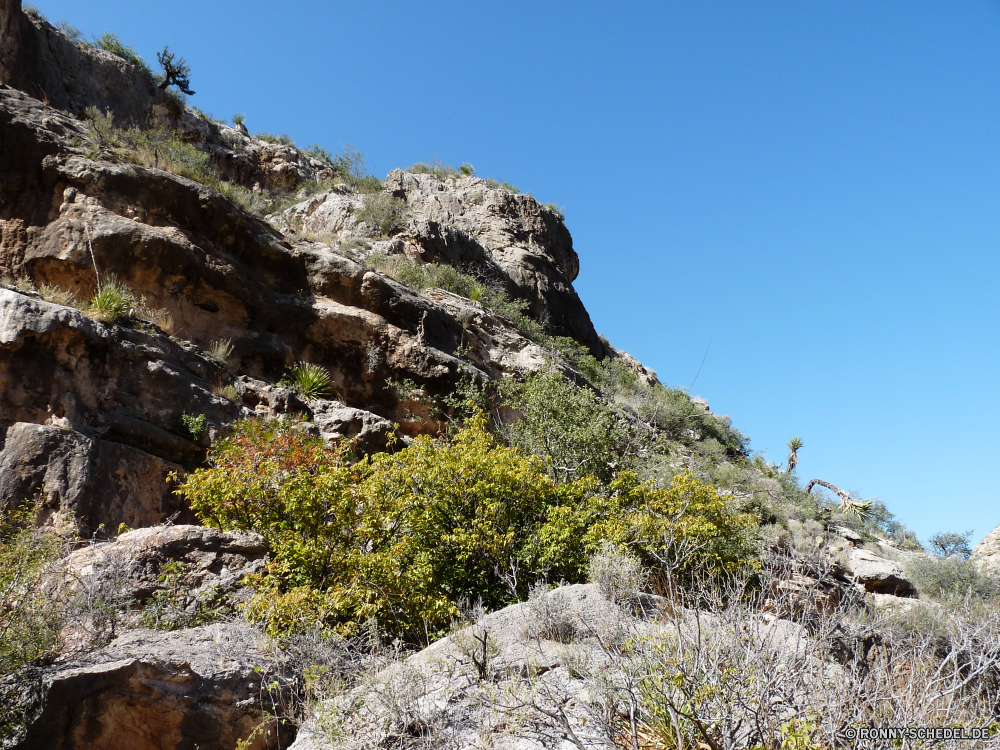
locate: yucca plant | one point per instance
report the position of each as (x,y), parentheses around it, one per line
(113,301)
(310,381)
(793,453)
(860,509)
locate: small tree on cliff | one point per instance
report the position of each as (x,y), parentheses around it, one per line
(175,72)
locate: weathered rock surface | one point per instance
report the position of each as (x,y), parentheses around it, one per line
(57,366)
(877,574)
(38,59)
(487,230)
(367,432)
(987,552)
(85,480)
(204,561)
(530,689)
(150,690)
(443,699)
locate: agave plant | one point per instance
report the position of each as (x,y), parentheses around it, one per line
(310,381)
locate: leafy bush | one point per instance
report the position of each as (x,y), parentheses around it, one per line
(113,301)
(30,612)
(950,544)
(382,214)
(403,537)
(571,427)
(194,425)
(155,147)
(111,43)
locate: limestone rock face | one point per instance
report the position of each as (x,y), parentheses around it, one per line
(205,560)
(987,552)
(876,574)
(487,230)
(152,690)
(57,366)
(91,481)
(69,76)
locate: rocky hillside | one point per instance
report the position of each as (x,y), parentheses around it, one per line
(172,286)
(82,401)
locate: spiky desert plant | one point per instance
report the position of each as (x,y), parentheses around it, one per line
(113,301)
(793,453)
(310,381)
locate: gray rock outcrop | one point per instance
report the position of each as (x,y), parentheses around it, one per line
(987,552)
(149,690)
(203,562)
(84,480)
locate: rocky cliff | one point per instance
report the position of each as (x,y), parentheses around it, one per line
(80,398)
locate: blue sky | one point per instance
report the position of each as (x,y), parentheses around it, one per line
(814,187)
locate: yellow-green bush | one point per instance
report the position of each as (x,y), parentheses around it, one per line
(30,615)
(401,538)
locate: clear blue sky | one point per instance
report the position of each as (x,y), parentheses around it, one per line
(815,187)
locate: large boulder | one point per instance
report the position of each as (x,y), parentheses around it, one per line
(194,689)
(877,574)
(86,481)
(987,552)
(201,565)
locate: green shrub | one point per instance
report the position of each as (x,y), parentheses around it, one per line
(155,147)
(310,381)
(571,427)
(194,426)
(113,301)
(951,544)
(402,538)
(949,578)
(383,214)
(318,153)
(111,43)
(256,204)
(31,615)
